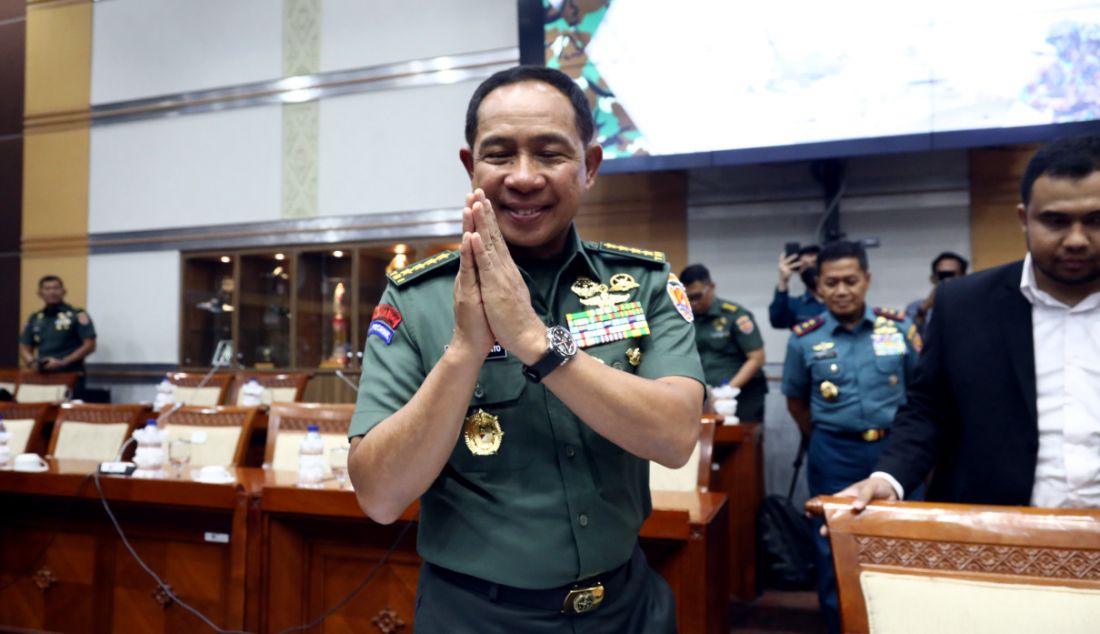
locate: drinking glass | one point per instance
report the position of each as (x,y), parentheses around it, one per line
(338,460)
(179,454)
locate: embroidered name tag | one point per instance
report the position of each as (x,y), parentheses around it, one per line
(603,325)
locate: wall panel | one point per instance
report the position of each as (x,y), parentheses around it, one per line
(356,33)
(58,44)
(195,170)
(134,300)
(145,48)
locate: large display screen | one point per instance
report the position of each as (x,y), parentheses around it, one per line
(719,81)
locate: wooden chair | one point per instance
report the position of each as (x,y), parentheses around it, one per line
(286,426)
(85,431)
(908,567)
(45,387)
(223,431)
(25,423)
(278,388)
(696,474)
(9,380)
(189,393)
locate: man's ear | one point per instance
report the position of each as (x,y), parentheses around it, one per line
(1021,215)
(467,158)
(593,156)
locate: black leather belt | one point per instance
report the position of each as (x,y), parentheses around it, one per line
(575,598)
(867,435)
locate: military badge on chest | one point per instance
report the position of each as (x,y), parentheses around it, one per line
(63,321)
(886,340)
(610,316)
(482,433)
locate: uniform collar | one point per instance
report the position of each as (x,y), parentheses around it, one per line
(832,323)
(56,309)
(715,309)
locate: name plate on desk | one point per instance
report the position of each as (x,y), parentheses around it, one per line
(117,468)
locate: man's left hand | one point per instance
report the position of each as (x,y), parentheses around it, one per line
(506,300)
(51,363)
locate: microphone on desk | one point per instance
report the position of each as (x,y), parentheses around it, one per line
(343,377)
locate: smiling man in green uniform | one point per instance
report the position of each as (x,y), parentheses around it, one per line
(730,345)
(520,387)
(58,337)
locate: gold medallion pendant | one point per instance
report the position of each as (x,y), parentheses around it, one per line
(483,433)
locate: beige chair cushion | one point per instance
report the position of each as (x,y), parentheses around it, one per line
(220,446)
(10,387)
(285,456)
(273,395)
(200,397)
(20,430)
(89,441)
(39,393)
(912,604)
(686,478)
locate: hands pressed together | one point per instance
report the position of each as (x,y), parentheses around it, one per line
(491,300)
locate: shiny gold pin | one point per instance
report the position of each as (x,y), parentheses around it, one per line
(823,346)
(893,379)
(829,390)
(634,356)
(595,295)
(482,433)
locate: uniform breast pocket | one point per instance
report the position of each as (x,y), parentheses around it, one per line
(891,364)
(498,432)
(622,355)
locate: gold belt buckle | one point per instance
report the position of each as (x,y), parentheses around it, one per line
(581,600)
(871,435)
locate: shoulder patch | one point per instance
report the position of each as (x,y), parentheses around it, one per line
(730,307)
(417,269)
(889,313)
(808,326)
(657,257)
(914,338)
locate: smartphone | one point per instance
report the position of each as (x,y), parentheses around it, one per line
(791,248)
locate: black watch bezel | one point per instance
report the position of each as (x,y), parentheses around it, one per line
(561,347)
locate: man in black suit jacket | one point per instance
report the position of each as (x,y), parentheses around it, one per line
(976,413)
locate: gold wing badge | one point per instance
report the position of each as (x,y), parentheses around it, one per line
(604,295)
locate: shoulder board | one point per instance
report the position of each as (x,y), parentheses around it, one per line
(657,257)
(730,307)
(403,276)
(808,326)
(889,313)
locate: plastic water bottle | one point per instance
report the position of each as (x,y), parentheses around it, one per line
(166,395)
(311,458)
(252,393)
(150,451)
(5,451)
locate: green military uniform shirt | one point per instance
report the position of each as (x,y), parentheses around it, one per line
(557,502)
(724,335)
(854,379)
(56,331)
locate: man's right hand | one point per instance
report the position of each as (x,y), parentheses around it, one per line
(788,266)
(471,326)
(864,491)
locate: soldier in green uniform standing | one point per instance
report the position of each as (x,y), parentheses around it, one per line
(519,388)
(58,337)
(730,345)
(844,378)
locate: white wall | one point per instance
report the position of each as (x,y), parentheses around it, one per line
(355,33)
(144,48)
(134,300)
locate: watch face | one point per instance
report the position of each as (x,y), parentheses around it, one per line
(562,342)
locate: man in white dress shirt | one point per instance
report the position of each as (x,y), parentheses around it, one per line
(1006,402)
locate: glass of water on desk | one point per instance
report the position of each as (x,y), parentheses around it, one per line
(179,454)
(338,459)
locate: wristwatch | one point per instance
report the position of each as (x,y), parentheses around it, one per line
(560,349)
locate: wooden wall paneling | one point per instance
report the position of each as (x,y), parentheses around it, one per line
(995,234)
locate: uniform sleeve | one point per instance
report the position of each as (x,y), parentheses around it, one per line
(27,337)
(796,380)
(779,312)
(85,329)
(392,370)
(671,347)
(751,340)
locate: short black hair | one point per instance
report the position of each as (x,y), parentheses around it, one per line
(950,255)
(50,278)
(1068,157)
(842,249)
(694,273)
(809,248)
(586,127)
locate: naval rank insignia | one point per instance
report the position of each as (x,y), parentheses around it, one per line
(483,433)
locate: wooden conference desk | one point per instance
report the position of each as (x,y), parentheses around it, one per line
(261,554)
(739,473)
